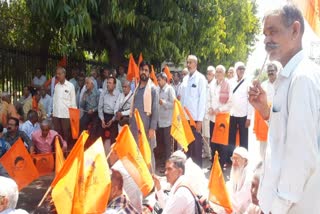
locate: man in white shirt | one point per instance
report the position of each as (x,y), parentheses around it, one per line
(193,97)
(64,98)
(230,73)
(290,181)
(180,198)
(176,84)
(166,99)
(239,186)
(46,101)
(39,79)
(241,110)
(206,131)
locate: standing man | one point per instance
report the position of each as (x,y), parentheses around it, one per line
(193,97)
(64,97)
(46,101)
(146,100)
(106,109)
(230,73)
(241,110)
(166,99)
(290,181)
(176,84)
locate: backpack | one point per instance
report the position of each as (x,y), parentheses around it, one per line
(197,203)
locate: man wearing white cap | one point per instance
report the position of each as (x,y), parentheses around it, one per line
(239,186)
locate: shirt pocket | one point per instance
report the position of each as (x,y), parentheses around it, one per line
(193,91)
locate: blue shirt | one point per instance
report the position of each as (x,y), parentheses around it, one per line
(193,94)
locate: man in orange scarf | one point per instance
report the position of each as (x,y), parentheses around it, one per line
(34,104)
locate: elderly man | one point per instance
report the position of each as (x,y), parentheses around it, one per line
(9,195)
(220,102)
(239,186)
(241,110)
(64,97)
(290,182)
(89,105)
(123,105)
(166,99)
(230,73)
(13,134)
(193,97)
(46,101)
(206,133)
(176,84)
(180,198)
(146,100)
(118,201)
(106,109)
(32,124)
(43,139)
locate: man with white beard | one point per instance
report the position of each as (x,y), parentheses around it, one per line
(239,186)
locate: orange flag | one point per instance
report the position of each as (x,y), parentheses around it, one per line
(218,193)
(68,186)
(63,62)
(140,59)
(260,127)
(192,123)
(180,128)
(96,179)
(129,154)
(59,155)
(153,76)
(18,163)
(167,71)
(74,122)
(221,129)
(143,140)
(311,12)
(133,69)
(44,163)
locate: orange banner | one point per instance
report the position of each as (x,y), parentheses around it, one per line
(218,193)
(221,129)
(143,140)
(74,122)
(44,163)
(260,127)
(19,165)
(128,152)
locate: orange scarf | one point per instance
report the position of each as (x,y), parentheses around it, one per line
(35,104)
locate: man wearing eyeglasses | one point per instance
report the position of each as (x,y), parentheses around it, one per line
(239,186)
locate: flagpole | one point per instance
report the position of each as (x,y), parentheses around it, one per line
(45,196)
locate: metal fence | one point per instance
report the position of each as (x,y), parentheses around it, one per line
(17,68)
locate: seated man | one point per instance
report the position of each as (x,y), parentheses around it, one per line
(180,198)
(254,207)
(4,147)
(13,134)
(118,201)
(34,104)
(43,138)
(31,124)
(239,186)
(9,197)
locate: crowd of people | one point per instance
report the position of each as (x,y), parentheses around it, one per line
(286,180)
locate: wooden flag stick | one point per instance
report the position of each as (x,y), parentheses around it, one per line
(45,195)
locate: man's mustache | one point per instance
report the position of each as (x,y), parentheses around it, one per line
(271,46)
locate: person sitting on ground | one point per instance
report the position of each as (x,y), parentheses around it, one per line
(118,201)
(7,109)
(180,198)
(31,124)
(9,195)
(34,104)
(4,147)
(43,138)
(239,186)
(254,207)
(13,134)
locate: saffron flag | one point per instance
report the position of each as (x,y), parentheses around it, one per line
(218,193)
(74,122)
(311,12)
(63,62)
(19,165)
(221,129)
(143,140)
(140,59)
(260,127)
(59,155)
(68,186)
(97,179)
(153,76)
(133,70)
(44,163)
(180,128)
(192,123)
(168,73)
(129,154)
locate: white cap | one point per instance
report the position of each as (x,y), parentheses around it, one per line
(239,64)
(243,152)
(179,154)
(211,68)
